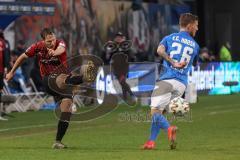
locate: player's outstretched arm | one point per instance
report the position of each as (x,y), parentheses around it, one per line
(57,52)
(18,62)
(161,52)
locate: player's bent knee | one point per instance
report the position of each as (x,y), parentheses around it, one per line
(60,81)
(156,110)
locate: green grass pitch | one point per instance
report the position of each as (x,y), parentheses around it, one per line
(212,134)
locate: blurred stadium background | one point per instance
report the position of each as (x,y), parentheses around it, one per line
(211,128)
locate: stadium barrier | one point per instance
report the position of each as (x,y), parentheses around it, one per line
(206,78)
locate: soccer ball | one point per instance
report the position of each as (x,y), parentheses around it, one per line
(179,105)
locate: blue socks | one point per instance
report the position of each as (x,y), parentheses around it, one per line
(158,122)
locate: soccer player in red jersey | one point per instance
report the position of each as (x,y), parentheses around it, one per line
(52,56)
(2,66)
(2,48)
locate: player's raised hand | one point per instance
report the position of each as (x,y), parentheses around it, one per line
(179,64)
(50,52)
(9,76)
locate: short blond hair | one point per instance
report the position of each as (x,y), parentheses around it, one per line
(187,18)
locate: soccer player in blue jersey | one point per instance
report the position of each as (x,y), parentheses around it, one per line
(178,51)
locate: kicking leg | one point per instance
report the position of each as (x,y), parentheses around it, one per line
(64,80)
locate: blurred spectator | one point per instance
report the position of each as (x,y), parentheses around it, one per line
(2,68)
(7,51)
(85,49)
(20,48)
(205,55)
(225,54)
(212,57)
(118,53)
(27,65)
(139,30)
(14,84)
(119,45)
(35,75)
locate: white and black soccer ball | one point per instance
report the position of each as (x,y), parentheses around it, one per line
(179,105)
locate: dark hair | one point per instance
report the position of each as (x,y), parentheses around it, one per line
(45,32)
(187,18)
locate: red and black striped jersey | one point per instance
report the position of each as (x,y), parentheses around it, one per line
(48,64)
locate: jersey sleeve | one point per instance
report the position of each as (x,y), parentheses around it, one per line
(164,42)
(62,43)
(30,52)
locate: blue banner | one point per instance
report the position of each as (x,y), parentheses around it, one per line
(216,77)
(211,78)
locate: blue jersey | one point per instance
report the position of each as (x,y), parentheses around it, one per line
(180,47)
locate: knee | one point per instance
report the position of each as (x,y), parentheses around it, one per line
(156,110)
(60,81)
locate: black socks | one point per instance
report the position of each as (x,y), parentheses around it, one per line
(74,80)
(63,125)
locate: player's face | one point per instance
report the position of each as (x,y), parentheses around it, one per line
(119,39)
(50,41)
(193,28)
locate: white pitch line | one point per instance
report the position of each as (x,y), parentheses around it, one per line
(37,126)
(26,127)
(222,111)
(221,106)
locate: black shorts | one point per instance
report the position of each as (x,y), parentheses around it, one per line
(1,81)
(50,87)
